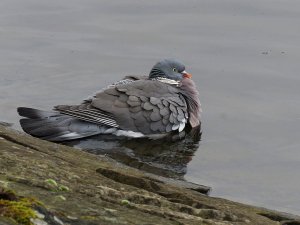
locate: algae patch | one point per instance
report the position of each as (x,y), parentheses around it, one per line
(19,210)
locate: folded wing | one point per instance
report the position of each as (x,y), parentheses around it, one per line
(145,106)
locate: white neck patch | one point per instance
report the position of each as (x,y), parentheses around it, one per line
(167,81)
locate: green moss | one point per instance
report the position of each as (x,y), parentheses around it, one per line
(51,182)
(55,187)
(61,197)
(125,202)
(88,217)
(63,188)
(21,211)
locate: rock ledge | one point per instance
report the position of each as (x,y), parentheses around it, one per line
(75,187)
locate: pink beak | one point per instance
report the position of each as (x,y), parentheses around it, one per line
(186,75)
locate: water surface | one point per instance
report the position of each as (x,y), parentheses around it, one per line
(244,56)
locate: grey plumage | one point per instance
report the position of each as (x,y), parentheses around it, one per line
(54,126)
(143,106)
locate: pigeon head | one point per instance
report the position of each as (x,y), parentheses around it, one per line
(169,69)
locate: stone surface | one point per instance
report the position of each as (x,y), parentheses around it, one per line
(76,187)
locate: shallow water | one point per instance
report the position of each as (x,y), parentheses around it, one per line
(167,157)
(244,56)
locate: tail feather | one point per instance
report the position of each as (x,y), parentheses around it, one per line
(35,113)
(54,126)
(65,136)
(41,128)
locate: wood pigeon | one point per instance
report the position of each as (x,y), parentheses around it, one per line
(151,106)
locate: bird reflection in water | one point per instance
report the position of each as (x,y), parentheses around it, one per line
(166,157)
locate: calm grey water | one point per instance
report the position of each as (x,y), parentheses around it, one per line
(244,56)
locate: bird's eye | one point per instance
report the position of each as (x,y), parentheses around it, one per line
(175,70)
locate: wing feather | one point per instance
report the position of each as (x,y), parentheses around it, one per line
(145,106)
